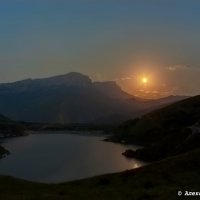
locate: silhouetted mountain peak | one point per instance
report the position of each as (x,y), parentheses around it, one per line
(110,88)
(70,79)
(69,98)
(72,76)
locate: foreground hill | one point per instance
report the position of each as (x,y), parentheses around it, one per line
(168,131)
(159,181)
(70,98)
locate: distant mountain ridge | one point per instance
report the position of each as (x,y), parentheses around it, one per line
(68,80)
(69,98)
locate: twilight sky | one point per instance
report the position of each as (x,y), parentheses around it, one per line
(121,40)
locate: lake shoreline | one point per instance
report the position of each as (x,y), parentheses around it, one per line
(73,132)
(160,180)
(82,155)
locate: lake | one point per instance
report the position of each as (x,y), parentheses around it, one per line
(59,157)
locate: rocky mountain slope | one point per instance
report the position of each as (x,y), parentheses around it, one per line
(70,98)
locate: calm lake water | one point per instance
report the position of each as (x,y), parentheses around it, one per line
(62,157)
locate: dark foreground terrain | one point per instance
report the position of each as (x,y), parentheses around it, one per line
(159,181)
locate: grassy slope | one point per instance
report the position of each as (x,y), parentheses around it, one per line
(156,125)
(164,132)
(159,181)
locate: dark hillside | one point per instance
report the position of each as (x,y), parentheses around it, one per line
(164,132)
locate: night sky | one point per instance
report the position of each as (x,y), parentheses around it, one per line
(120,40)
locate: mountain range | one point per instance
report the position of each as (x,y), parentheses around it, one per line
(72,98)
